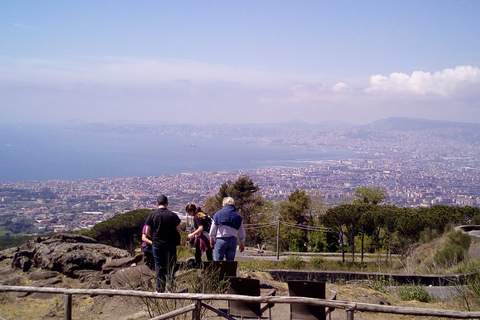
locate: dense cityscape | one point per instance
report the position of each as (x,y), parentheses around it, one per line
(417,168)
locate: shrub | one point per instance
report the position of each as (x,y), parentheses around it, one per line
(292,262)
(414,292)
(382,283)
(450,255)
(460,238)
(317,262)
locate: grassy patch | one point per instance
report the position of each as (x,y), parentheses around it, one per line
(256,265)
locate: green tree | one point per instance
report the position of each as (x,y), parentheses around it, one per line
(248,203)
(371,195)
(409,224)
(366,225)
(296,214)
(336,218)
(297,207)
(349,221)
(441,216)
(265,232)
(469,213)
(386,219)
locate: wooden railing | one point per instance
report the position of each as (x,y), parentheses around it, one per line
(349,307)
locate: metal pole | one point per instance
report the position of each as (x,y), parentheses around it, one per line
(278,240)
(68,307)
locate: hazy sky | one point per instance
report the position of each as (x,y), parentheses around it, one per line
(239,61)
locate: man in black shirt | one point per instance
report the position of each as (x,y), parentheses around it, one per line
(163,227)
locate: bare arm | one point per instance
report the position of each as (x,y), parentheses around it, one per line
(179,230)
(241,245)
(194,233)
(241,238)
(148,232)
(146,239)
(213,234)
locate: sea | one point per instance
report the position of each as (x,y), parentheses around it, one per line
(53,152)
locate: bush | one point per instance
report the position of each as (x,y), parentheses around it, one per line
(460,238)
(317,262)
(382,283)
(292,262)
(415,292)
(450,255)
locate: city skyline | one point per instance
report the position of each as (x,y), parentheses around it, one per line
(239,62)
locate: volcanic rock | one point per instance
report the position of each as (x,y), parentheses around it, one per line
(65,253)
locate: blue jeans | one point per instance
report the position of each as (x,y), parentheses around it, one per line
(225,248)
(165,258)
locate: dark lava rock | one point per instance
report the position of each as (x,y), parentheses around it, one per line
(65,253)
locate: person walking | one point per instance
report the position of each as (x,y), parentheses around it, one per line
(201,223)
(147,249)
(163,227)
(227,230)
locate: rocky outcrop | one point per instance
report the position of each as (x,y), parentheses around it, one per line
(122,263)
(68,254)
(133,278)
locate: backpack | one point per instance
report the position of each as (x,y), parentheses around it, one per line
(207,223)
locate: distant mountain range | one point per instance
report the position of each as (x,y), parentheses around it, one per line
(389,124)
(415,124)
(289,131)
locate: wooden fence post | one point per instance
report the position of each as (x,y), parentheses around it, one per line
(196,313)
(350,314)
(68,306)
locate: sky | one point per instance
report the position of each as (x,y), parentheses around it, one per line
(239,61)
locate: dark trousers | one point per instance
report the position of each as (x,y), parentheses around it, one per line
(198,254)
(165,257)
(148,253)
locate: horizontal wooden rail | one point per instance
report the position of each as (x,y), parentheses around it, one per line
(346,305)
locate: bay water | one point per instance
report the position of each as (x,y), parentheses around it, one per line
(51,152)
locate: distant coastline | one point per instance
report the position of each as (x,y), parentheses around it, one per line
(49,152)
(99,150)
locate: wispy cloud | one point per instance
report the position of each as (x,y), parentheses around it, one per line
(186,90)
(23,26)
(135,72)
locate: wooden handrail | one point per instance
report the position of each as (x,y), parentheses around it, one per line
(346,305)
